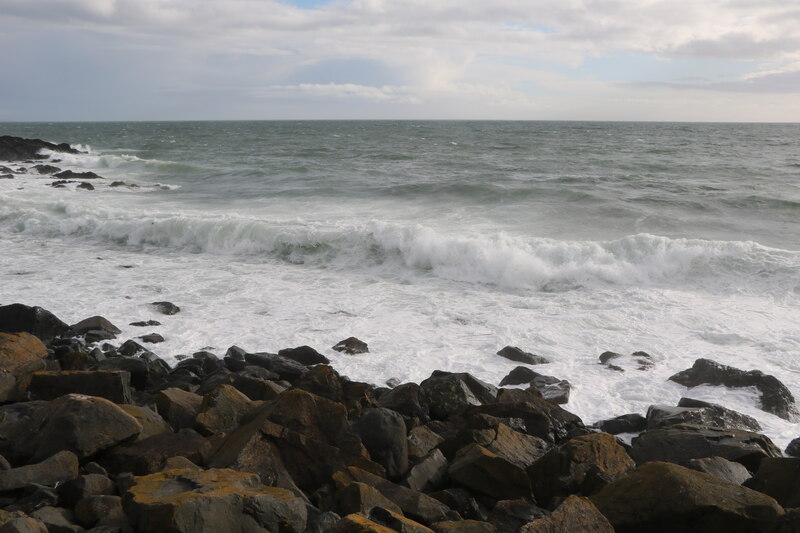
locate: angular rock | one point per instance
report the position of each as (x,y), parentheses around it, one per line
(775,397)
(582,465)
(145,323)
(75,490)
(284,367)
(409,400)
(483,471)
(515,446)
(21,353)
(40,322)
(62,466)
(515,354)
(95,323)
(778,477)
(383,433)
(130,348)
(574,514)
(351,346)
(721,468)
(178,407)
(305,355)
(166,308)
(100,510)
(322,380)
(449,394)
(511,515)
(793,449)
(663,497)
(463,526)
(361,498)
(85,185)
(680,443)
(72,175)
(57,520)
(421,440)
(109,384)
(630,423)
(20,149)
(396,521)
(151,454)
(18,522)
(356,523)
(222,410)
(151,338)
(152,423)
(551,388)
(429,473)
(700,414)
(212,500)
(519,376)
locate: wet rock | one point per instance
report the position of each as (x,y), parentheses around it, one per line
(222,410)
(257,389)
(449,394)
(285,368)
(351,346)
(81,487)
(40,322)
(395,521)
(62,466)
(793,449)
(166,308)
(151,338)
(681,443)
(778,477)
(582,465)
(151,454)
(409,400)
(178,407)
(131,348)
(663,497)
(322,380)
(630,423)
(721,468)
(511,515)
(483,471)
(72,175)
(551,388)
(515,354)
(95,323)
(518,376)
(85,185)
(463,526)
(574,514)
(421,441)
(46,169)
(428,473)
(305,355)
(112,385)
(515,446)
(775,397)
(214,500)
(361,498)
(383,433)
(700,414)
(145,373)
(145,323)
(20,149)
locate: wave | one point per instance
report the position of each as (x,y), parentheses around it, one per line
(508,261)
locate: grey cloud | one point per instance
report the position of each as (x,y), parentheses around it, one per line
(777,83)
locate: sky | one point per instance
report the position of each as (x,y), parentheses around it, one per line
(650,60)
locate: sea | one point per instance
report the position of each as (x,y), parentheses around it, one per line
(437,243)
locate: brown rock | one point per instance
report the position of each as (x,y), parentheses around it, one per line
(721,468)
(109,384)
(19,522)
(396,521)
(360,498)
(488,473)
(62,466)
(152,423)
(150,455)
(21,353)
(37,321)
(351,346)
(222,410)
(428,473)
(575,514)
(178,407)
(383,433)
(356,523)
(463,526)
(100,510)
(421,440)
(75,490)
(778,477)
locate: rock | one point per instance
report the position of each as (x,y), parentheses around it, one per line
(322,380)
(212,500)
(75,490)
(551,388)
(21,353)
(361,498)
(793,449)
(518,376)
(178,407)
(19,149)
(15,318)
(630,423)
(461,501)
(145,323)
(222,410)
(18,522)
(409,400)
(62,466)
(483,471)
(680,443)
(85,185)
(511,515)
(574,514)
(84,425)
(582,465)
(180,462)
(383,433)
(46,169)
(257,389)
(721,468)
(285,368)
(700,414)
(778,477)
(775,397)
(151,338)
(305,355)
(463,526)
(72,175)
(100,510)
(515,446)
(515,354)
(151,454)
(16,423)
(57,520)
(129,348)
(166,308)
(421,440)
(396,521)
(351,346)
(414,504)
(145,373)
(356,523)
(642,360)
(449,394)
(429,473)
(95,323)
(112,385)
(663,497)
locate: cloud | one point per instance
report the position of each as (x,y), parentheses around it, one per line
(341,90)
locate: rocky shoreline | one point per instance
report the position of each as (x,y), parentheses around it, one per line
(102,436)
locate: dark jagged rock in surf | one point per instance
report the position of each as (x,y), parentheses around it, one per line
(152,338)
(46,169)
(699,413)
(351,346)
(34,320)
(166,308)
(86,185)
(305,355)
(145,323)
(793,449)
(72,175)
(19,149)
(630,423)
(515,354)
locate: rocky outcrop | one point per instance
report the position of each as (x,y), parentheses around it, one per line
(20,149)
(700,414)
(34,320)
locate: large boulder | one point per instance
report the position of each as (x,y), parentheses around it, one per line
(21,149)
(721,468)
(285,368)
(85,486)
(178,407)
(20,354)
(222,410)
(383,433)
(574,514)
(511,515)
(361,498)
(428,473)
(152,423)
(62,466)
(664,498)
(34,320)
(779,477)
(699,413)
(190,501)
(515,446)
(150,455)
(409,400)
(483,471)
(449,394)
(322,380)
(582,465)
(630,423)
(775,396)
(680,443)
(112,385)
(305,355)
(19,522)
(351,346)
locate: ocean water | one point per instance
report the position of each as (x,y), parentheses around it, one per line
(437,243)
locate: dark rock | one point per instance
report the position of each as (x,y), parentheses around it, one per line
(428,473)
(515,354)
(145,323)
(461,501)
(152,338)
(57,520)
(409,400)
(356,523)
(393,382)
(721,468)
(96,335)
(642,360)
(582,465)
(677,444)
(46,169)
(351,346)
(222,410)
(518,376)
(19,522)
(361,498)
(449,394)
(793,449)
(62,466)
(178,407)
(485,472)
(212,500)
(463,526)
(551,388)
(305,355)
(630,423)
(60,184)
(16,421)
(144,373)
(130,348)
(20,355)
(421,440)
(34,320)
(396,521)
(515,446)
(32,497)
(113,385)
(662,497)
(574,514)
(85,185)
(691,412)
(166,308)
(322,380)
(234,352)
(511,515)
(151,454)
(775,397)
(85,486)
(383,433)
(257,389)
(778,477)
(72,175)
(100,510)
(19,149)
(284,367)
